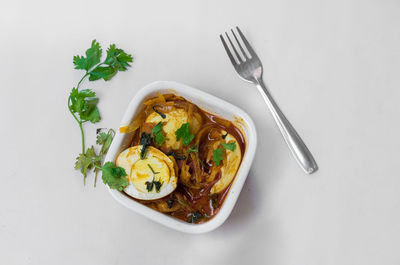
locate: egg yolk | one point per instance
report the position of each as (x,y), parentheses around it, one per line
(149,169)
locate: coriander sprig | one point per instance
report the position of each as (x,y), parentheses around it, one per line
(115,177)
(82,104)
(89,160)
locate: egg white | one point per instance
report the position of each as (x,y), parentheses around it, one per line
(139,172)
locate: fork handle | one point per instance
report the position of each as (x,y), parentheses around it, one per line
(296,145)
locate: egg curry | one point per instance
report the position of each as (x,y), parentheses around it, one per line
(182,159)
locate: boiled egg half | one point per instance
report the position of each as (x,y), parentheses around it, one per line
(150,178)
(173,121)
(229,169)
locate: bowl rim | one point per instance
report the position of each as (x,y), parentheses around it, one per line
(187,91)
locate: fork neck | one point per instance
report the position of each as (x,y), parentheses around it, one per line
(257,75)
(258,81)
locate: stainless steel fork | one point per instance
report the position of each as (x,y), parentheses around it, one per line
(250,69)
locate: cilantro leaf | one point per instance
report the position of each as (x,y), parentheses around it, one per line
(99,72)
(158,185)
(149,185)
(114,176)
(229,146)
(117,58)
(90,160)
(84,103)
(184,133)
(78,98)
(83,163)
(145,141)
(91,112)
(101,138)
(93,56)
(158,136)
(85,93)
(218,156)
(86,161)
(80,62)
(105,140)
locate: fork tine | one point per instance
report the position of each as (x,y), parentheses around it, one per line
(240,45)
(234,49)
(251,51)
(227,50)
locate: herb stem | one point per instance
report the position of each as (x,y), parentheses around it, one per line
(95,179)
(79,123)
(87,73)
(80,81)
(82,137)
(152,170)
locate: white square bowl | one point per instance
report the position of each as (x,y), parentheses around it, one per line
(211,104)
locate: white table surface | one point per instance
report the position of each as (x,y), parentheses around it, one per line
(333,66)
